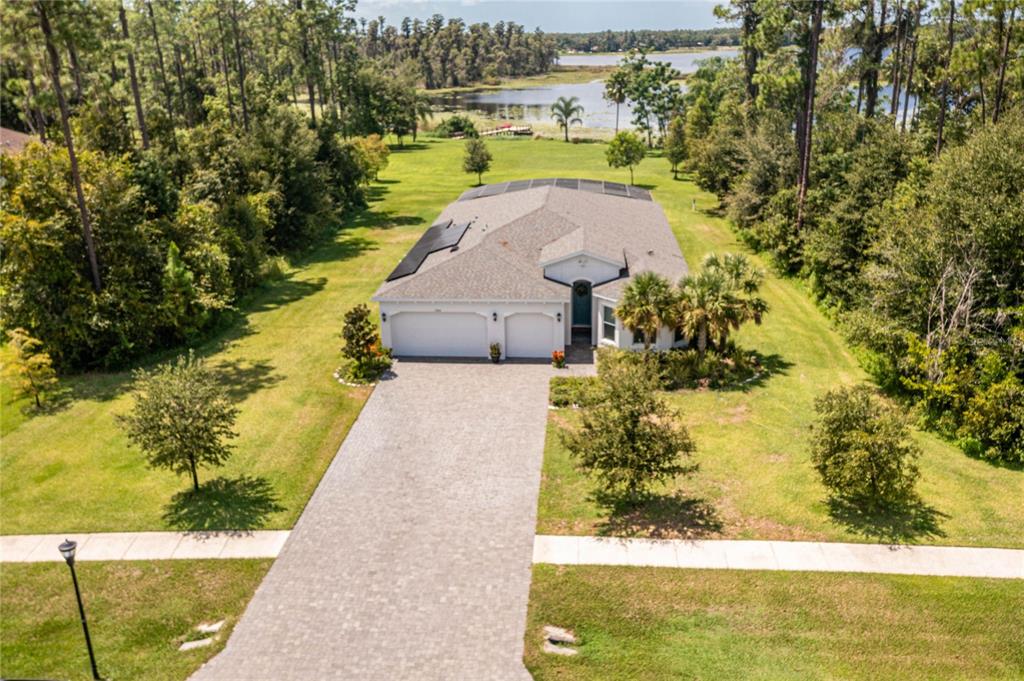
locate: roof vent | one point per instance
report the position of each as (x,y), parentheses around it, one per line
(650,252)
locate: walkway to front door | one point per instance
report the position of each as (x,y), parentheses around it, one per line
(413,558)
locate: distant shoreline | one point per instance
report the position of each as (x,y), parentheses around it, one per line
(674,50)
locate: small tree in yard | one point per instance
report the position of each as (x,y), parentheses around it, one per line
(478,158)
(182,417)
(631,439)
(362,346)
(626,150)
(31,367)
(861,446)
(675,144)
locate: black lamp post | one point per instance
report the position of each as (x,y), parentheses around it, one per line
(67,549)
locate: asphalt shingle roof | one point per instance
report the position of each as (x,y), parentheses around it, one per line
(511,234)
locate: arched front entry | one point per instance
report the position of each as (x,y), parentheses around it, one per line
(581,304)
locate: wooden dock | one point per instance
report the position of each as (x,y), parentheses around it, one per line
(509,130)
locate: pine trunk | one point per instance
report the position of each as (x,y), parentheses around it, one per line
(241,65)
(805,160)
(140,117)
(997,105)
(76,177)
(160,61)
(224,65)
(944,90)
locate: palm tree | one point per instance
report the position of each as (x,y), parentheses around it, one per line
(703,307)
(615,90)
(566,111)
(743,282)
(421,110)
(647,305)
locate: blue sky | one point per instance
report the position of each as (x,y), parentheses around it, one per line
(557,15)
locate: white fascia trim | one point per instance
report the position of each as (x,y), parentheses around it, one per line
(563,258)
(463,301)
(604,297)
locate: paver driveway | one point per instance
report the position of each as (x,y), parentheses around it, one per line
(412,559)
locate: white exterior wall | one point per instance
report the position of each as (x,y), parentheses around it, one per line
(623,336)
(495,329)
(578,267)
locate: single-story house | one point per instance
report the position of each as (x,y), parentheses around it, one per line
(530,264)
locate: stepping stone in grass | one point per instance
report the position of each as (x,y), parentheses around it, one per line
(192,645)
(210,628)
(559,635)
(556,649)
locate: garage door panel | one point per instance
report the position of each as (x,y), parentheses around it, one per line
(529,335)
(438,334)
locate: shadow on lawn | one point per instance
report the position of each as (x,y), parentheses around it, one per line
(658,516)
(240,378)
(284,291)
(771,365)
(908,522)
(242,503)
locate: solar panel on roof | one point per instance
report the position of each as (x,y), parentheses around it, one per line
(494,189)
(637,193)
(438,237)
(595,186)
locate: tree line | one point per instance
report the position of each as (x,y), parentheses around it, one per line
(449,53)
(658,41)
(185,147)
(879,157)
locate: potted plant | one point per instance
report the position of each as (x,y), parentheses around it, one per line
(558,359)
(495,352)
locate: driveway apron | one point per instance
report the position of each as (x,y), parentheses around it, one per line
(412,559)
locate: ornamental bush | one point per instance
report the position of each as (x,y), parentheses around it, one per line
(632,439)
(456,125)
(367,359)
(862,449)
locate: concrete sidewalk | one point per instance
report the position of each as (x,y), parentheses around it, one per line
(42,548)
(781,555)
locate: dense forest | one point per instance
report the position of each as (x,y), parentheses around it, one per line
(449,53)
(881,158)
(189,145)
(651,40)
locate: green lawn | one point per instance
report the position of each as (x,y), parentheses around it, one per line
(649,623)
(755,478)
(72,470)
(139,613)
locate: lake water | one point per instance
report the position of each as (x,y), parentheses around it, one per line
(534,104)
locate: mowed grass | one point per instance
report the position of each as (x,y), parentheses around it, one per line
(755,478)
(650,623)
(72,470)
(139,613)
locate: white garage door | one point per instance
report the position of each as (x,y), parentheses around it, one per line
(529,335)
(438,334)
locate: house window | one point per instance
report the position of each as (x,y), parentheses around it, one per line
(638,337)
(678,338)
(608,323)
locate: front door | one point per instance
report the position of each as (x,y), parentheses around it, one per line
(581,303)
